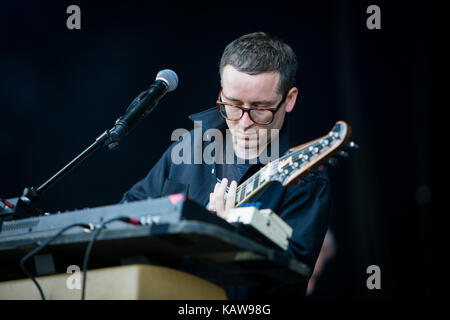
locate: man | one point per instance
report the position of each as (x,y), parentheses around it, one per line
(257,78)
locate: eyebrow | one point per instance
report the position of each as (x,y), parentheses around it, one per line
(266,102)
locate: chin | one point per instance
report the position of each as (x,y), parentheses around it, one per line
(248,144)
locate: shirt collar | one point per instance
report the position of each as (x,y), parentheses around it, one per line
(210,118)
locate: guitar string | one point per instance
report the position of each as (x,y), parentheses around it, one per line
(272,166)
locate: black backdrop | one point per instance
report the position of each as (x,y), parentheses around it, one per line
(60,89)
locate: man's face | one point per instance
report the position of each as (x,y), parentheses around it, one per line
(250,91)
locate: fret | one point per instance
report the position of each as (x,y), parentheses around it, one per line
(249,184)
(242,193)
(263,174)
(239,189)
(289,167)
(256,182)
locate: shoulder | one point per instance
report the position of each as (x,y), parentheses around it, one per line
(318,174)
(313,185)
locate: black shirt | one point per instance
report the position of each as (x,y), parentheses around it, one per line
(236,171)
(304,206)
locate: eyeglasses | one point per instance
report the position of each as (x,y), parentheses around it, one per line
(234,112)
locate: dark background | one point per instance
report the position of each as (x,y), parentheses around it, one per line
(60,89)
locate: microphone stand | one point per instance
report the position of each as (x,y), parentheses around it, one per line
(145,102)
(23,207)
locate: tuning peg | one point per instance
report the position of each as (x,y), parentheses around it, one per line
(353,145)
(343,154)
(333,161)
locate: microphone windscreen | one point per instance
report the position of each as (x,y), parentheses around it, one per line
(169,77)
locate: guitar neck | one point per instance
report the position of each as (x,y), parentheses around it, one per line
(252,185)
(296,164)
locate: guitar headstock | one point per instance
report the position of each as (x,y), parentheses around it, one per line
(302,159)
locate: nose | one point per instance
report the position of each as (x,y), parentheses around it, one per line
(245,121)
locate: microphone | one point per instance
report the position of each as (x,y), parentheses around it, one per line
(23,207)
(166,81)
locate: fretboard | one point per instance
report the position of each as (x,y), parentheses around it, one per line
(297,163)
(250,186)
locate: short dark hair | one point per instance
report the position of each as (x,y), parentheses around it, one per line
(259,52)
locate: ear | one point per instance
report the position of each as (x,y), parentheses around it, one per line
(291,98)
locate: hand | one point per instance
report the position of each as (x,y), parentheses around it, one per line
(219,201)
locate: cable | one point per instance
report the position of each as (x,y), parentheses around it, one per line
(42,246)
(125,219)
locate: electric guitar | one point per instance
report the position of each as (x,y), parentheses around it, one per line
(298,162)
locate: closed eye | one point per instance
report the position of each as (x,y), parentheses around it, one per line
(256,104)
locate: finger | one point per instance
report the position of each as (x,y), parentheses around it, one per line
(212,204)
(219,196)
(231,198)
(216,187)
(211,200)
